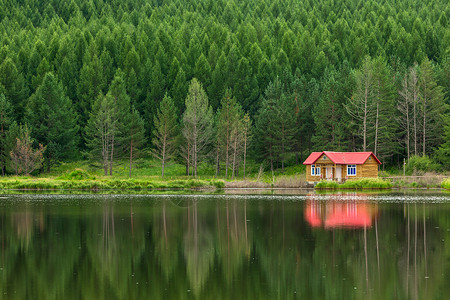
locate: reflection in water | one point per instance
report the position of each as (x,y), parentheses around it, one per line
(327,247)
(338,211)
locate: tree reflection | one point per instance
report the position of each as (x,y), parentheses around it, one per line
(327,247)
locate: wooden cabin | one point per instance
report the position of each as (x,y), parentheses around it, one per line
(341,166)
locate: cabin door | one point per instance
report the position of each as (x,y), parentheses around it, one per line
(329,173)
(338,173)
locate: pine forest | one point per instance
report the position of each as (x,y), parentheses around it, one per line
(222,83)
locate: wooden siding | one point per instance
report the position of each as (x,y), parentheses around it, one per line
(320,160)
(370,167)
(309,177)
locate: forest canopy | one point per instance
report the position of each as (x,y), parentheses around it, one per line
(301,70)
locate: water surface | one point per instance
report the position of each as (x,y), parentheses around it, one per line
(311,246)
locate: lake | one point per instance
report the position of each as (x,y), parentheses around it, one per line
(306,246)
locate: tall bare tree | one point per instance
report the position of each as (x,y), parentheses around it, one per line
(165,131)
(197,122)
(403,107)
(361,105)
(228,119)
(135,135)
(246,134)
(100,130)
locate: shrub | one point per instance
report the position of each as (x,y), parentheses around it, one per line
(77,174)
(418,165)
(327,185)
(446,184)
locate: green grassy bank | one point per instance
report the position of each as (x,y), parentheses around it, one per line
(82,180)
(365,183)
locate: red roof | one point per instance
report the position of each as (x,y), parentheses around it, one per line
(341,158)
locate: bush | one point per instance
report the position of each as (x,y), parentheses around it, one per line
(446,184)
(418,165)
(77,174)
(327,185)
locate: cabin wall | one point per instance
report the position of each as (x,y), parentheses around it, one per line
(309,177)
(370,168)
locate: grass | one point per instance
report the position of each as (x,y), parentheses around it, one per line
(446,184)
(364,183)
(27,183)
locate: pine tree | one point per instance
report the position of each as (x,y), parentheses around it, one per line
(100,129)
(14,87)
(276,125)
(197,122)
(5,122)
(121,106)
(361,105)
(432,107)
(53,120)
(92,82)
(165,131)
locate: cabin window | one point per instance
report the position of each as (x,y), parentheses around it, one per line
(324,157)
(351,170)
(315,171)
(370,158)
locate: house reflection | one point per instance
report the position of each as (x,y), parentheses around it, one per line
(340,211)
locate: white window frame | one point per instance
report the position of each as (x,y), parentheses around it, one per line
(313,170)
(317,171)
(351,167)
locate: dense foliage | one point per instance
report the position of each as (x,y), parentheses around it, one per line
(301,69)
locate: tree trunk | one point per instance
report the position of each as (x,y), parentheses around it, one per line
(234,158)
(415,125)
(227,149)
(366,96)
(194,148)
(188,159)
(163,156)
(424,123)
(217,159)
(112,156)
(245,151)
(376,132)
(407,131)
(131,156)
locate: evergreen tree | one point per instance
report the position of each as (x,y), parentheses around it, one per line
(276,125)
(197,123)
(5,122)
(14,87)
(165,131)
(121,105)
(432,107)
(330,131)
(100,129)
(53,121)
